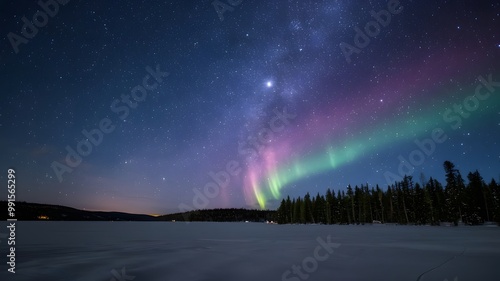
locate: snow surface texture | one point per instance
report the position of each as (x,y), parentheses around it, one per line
(144,251)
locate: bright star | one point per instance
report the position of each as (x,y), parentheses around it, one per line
(269,84)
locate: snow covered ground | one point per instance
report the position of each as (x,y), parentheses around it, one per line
(143,251)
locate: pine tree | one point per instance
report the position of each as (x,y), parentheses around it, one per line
(367,208)
(454,192)
(281,213)
(342,212)
(441,199)
(420,205)
(319,209)
(495,198)
(299,211)
(335,209)
(391,204)
(358,203)
(350,198)
(329,207)
(380,196)
(478,206)
(288,210)
(403,191)
(308,216)
(294,213)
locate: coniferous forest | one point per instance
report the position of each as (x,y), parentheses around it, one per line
(471,201)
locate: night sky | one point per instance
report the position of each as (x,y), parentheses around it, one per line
(271,98)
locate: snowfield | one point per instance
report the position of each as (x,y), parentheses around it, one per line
(144,251)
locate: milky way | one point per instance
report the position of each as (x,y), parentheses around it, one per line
(212,133)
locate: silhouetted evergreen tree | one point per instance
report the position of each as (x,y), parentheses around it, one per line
(342,209)
(295,212)
(330,205)
(350,203)
(301,218)
(308,215)
(438,200)
(358,205)
(281,213)
(477,210)
(495,199)
(390,197)
(380,197)
(454,192)
(420,206)
(319,209)
(288,210)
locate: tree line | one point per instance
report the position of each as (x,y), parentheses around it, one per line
(404,202)
(222,215)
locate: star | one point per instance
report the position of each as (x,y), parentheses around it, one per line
(269,84)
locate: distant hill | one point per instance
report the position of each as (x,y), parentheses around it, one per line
(34,211)
(222,215)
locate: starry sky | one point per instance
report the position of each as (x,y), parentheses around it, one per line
(166,106)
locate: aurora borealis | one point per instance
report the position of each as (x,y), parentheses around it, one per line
(257,106)
(280,166)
